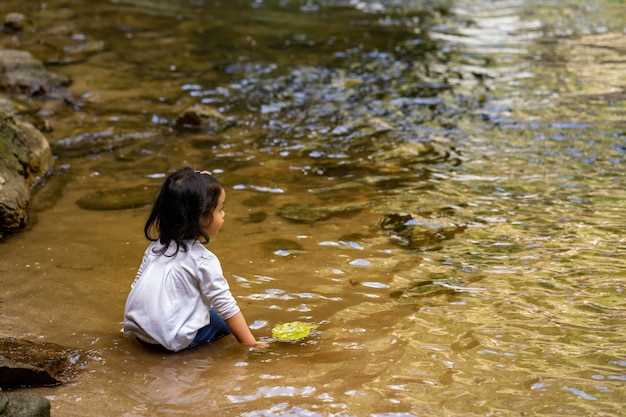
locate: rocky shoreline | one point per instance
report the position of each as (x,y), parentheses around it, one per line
(25,161)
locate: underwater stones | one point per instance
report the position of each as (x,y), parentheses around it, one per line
(412,152)
(204,143)
(202,117)
(86,47)
(301,213)
(22,73)
(22,404)
(274,245)
(150,166)
(412,231)
(24,157)
(424,289)
(47,196)
(97,142)
(14,22)
(33,364)
(256,217)
(118,199)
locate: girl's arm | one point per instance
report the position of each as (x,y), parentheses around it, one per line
(241,331)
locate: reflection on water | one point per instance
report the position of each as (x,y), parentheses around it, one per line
(438,186)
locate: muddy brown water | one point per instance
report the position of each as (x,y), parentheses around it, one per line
(506,118)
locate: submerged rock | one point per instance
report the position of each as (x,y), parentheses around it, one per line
(22,404)
(202,117)
(119,198)
(21,72)
(273,245)
(46,197)
(301,213)
(414,231)
(256,217)
(424,289)
(33,364)
(88,143)
(85,47)
(24,156)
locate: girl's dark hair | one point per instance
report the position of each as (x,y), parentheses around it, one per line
(185,197)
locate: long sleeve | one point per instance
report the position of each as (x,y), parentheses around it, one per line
(144,263)
(215,288)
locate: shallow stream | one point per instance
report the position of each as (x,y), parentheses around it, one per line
(439,185)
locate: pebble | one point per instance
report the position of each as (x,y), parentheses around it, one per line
(14,22)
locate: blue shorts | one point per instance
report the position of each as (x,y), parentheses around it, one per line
(216,329)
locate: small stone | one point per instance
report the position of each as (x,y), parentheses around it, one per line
(197,116)
(274,245)
(413,231)
(21,404)
(14,22)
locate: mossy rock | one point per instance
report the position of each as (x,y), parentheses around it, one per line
(24,156)
(118,199)
(301,213)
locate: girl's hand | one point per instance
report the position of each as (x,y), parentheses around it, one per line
(261,345)
(242,333)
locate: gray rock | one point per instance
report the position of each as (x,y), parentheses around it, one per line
(30,364)
(21,72)
(14,22)
(21,404)
(24,156)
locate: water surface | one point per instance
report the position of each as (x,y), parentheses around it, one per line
(498,126)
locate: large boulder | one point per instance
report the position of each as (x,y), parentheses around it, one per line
(31,364)
(21,404)
(24,156)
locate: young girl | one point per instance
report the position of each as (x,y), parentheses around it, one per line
(180,298)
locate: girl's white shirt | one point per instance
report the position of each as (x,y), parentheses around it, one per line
(171,295)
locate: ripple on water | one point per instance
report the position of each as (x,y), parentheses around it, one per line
(375,284)
(282,410)
(360,262)
(273,392)
(580,393)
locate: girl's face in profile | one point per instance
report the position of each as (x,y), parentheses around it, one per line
(212,228)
